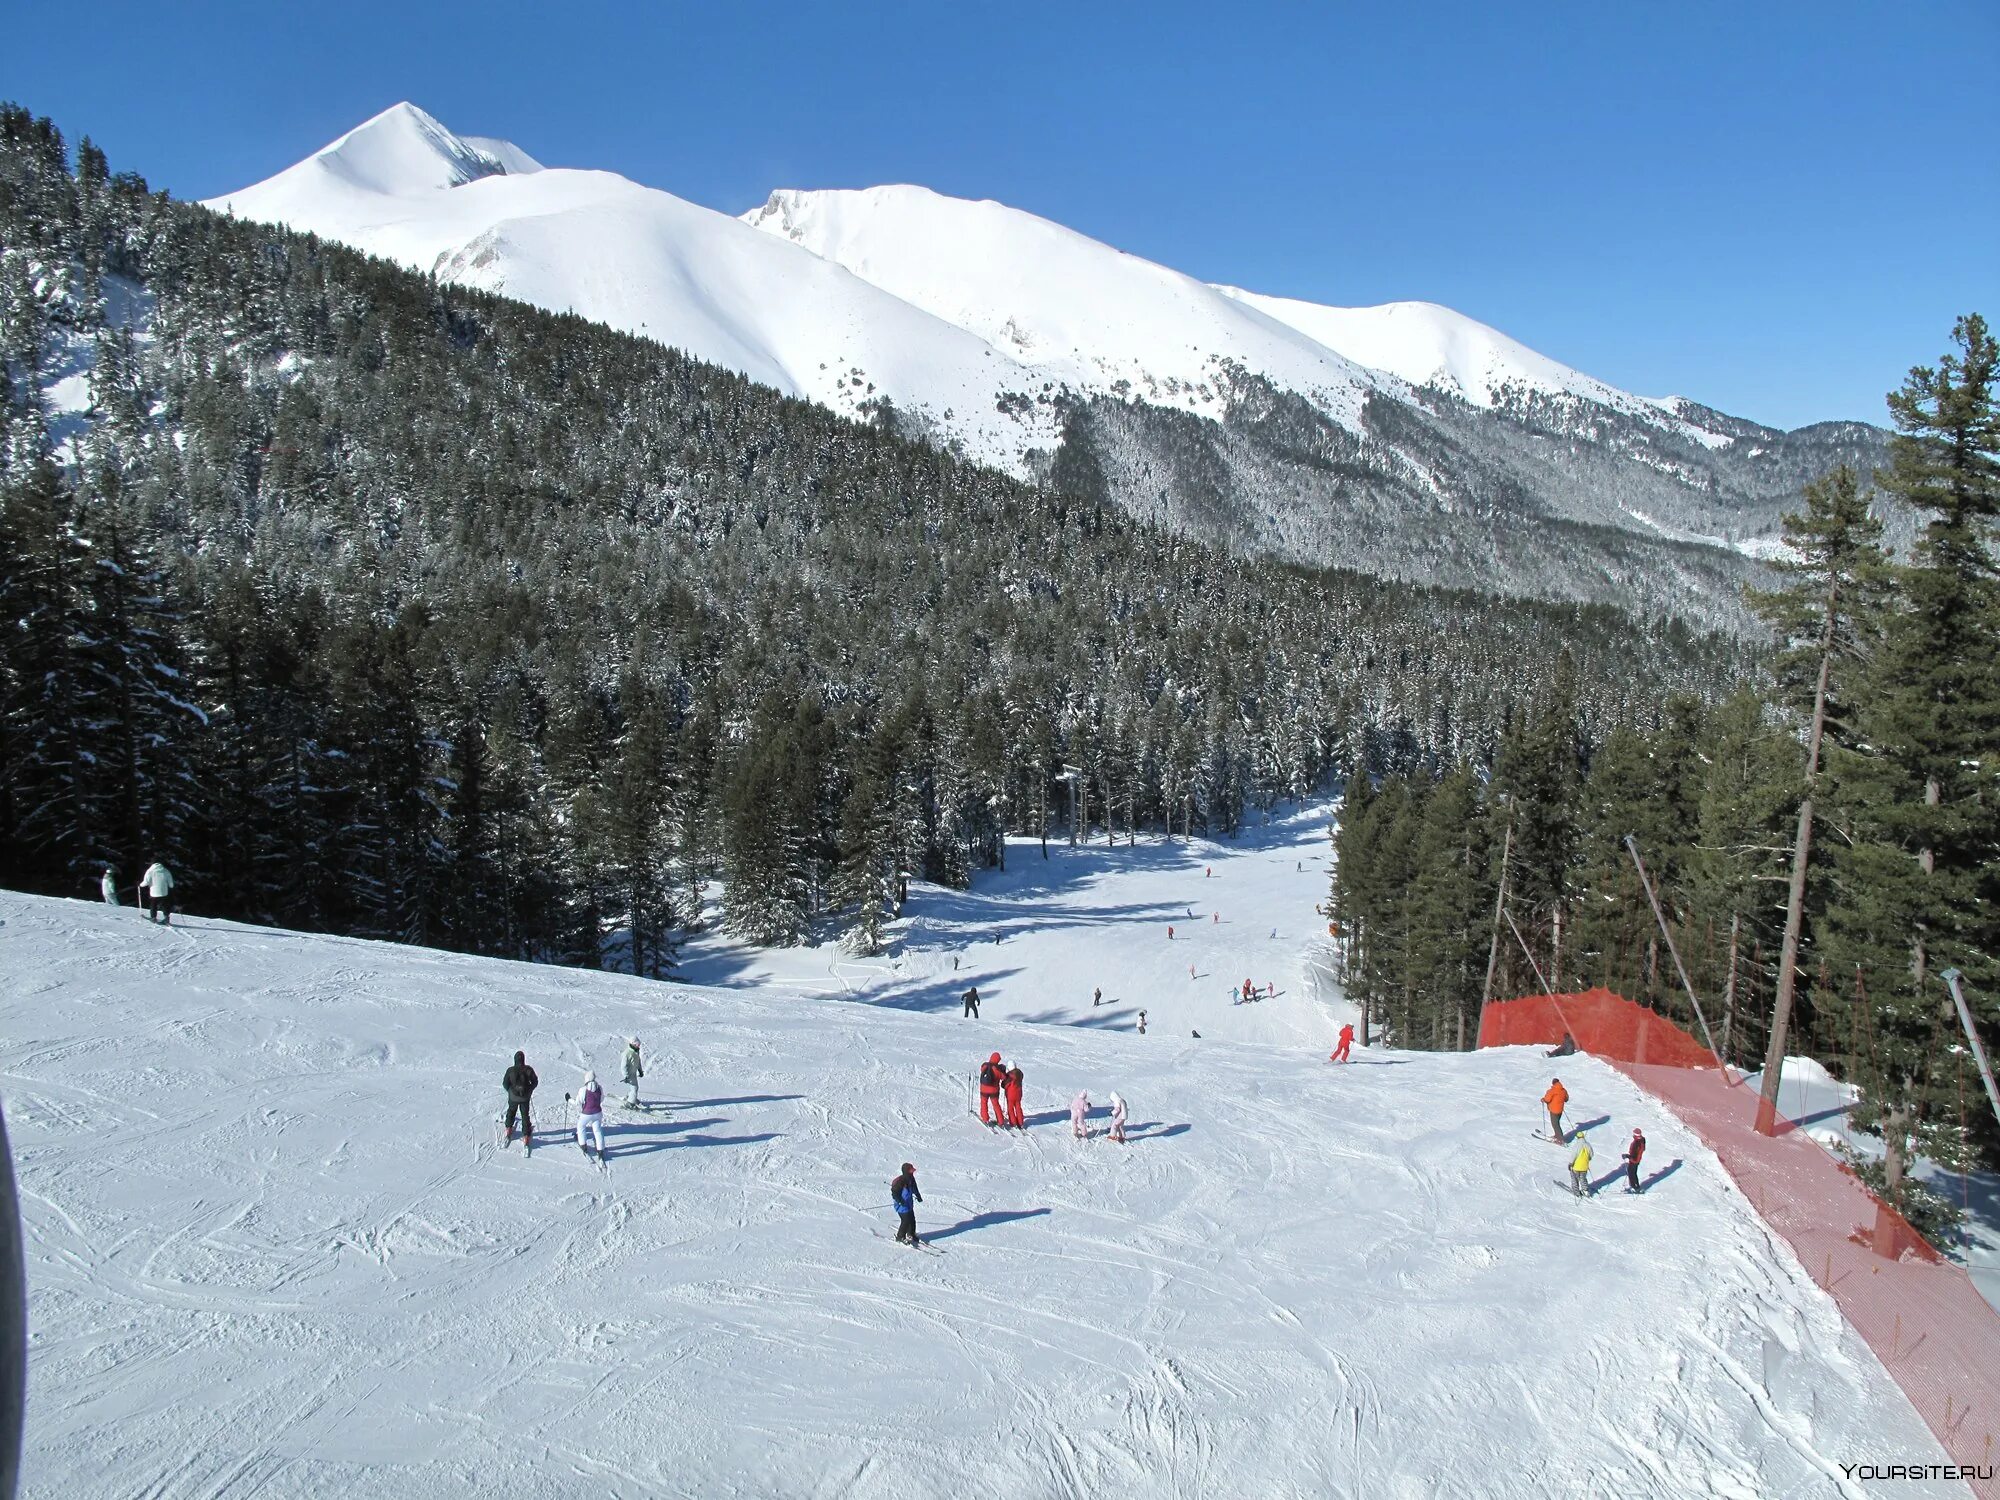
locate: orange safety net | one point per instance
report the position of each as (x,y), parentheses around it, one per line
(1935,1334)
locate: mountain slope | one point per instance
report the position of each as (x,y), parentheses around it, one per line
(1025,344)
(593,243)
(273,1245)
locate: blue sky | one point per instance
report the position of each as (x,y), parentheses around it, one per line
(1776,208)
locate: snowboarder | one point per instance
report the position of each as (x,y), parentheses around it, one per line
(1339,1053)
(590,1114)
(1096,998)
(991,1072)
(903,1193)
(1142,1023)
(1117,1117)
(1633,1152)
(1013,1086)
(971,1001)
(108,886)
(1579,1167)
(1567,1048)
(634,1071)
(520,1082)
(1079,1110)
(1557,1100)
(158,885)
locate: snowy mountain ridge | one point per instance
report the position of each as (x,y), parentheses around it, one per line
(1406,440)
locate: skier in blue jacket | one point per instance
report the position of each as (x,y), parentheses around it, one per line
(903,1193)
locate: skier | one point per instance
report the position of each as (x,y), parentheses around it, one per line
(1096,998)
(1557,1099)
(1579,1167)
(1633,1152)
(1142,1023)
(971,1000)
(903,1193)
(1170,932)
(1248,991)
(1079,1108)
(991,1072)
(1117,1117)
(108,886)
(1011,1085)
(634,1071)
(590,1114)
(158,884)
(520,1081)
(1339,1053)
(1215,916)
(954,963)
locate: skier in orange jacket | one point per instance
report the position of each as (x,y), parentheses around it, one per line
(1557,1100)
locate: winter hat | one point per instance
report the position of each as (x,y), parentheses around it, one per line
(521,1057)
(631,1041)
(909,1166)
(994,1058)
(589,1078)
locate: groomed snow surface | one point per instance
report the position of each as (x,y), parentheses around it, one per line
(275,1250)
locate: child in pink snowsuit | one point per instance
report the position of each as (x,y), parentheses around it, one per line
(1079,1107)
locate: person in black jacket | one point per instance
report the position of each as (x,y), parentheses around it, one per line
(519,1081)
(971,1003)
(903,1193)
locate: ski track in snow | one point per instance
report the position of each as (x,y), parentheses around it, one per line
(275,1251)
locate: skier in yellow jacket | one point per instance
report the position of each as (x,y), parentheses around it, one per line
(1579,1167)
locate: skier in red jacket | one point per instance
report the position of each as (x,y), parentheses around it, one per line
(990,1075)
(1339,1053)
(1013,1088)
(1633,1153)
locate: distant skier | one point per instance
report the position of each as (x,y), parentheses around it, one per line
(1015,1119)
(1567,1047)
(904,1195)
(1339,1053)
(1557,1100)
(590,1114)
(971,1002)
(1633,1153)
(1096,998)
(991,1072)
(954,963)
(156,894)
(1170,932)
(1079,1111)
(634,1070)
(520,1083)
(1249,992)
(1142,1023)
(1197,1036)
(1579,1167)
(1117,1117)
(108,886)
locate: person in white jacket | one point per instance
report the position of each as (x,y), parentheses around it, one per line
(1117,1117)
(156,893)
(634,1070)
(109,886)
(590,1113)
(1079,1109)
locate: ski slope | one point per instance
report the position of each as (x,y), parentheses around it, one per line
(275,1251)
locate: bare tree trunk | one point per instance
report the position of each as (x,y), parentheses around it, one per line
(1499,905)
(1795,901)
(1729,986)
(1556,953)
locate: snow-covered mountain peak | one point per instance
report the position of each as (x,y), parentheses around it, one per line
(405,150)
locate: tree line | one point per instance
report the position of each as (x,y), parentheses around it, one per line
(1824,842)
